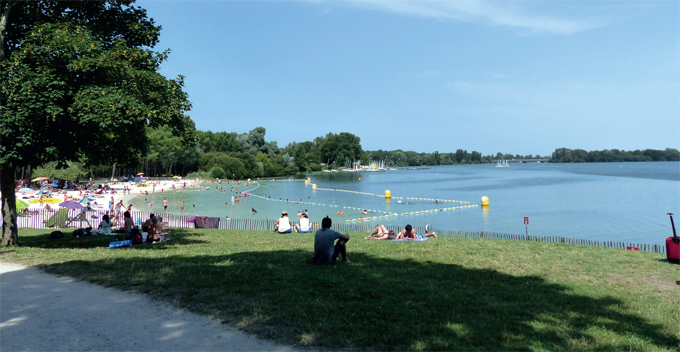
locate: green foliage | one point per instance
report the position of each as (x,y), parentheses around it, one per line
(231,166)
(71,96)
(80,82)
(217,172)
(167,151)
(564,155)
(210,142)
(72,172)
(340,148)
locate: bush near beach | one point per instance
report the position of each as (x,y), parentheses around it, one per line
(443,294)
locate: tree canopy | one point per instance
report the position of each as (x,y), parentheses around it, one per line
(80,82)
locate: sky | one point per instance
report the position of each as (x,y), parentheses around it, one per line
(519,77)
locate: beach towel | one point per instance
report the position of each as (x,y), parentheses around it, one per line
(119,244)
(204,222)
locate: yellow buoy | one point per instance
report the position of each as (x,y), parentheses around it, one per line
(485,201)
(313,185)
(388,194)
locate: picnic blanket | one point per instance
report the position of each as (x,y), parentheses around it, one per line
(205,222)
(416,240)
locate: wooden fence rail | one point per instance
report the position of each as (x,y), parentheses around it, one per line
(39,219)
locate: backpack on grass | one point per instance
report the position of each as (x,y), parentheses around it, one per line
(135,236)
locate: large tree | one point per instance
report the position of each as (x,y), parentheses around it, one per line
(80,82)
(340,148)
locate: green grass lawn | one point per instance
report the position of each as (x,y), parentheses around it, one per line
(443,294)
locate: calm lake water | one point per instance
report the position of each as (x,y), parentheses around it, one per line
(600,201)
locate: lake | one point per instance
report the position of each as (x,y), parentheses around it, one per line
(598,201)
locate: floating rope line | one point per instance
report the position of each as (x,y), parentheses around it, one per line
(392,214)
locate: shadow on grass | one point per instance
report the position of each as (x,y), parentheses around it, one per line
(179,237)
(380,303)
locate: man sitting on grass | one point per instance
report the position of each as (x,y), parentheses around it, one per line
(325,251)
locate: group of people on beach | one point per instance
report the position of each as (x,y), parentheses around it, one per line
(284,225)
(327,250)
(329,244)
(407,234)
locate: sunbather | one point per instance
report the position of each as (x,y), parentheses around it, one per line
(154,231)
(409,234)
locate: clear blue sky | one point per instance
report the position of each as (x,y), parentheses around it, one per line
(520,77)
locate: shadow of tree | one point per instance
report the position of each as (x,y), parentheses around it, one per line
(380,303)
(179,237)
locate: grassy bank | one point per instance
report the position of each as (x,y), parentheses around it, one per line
(444,294)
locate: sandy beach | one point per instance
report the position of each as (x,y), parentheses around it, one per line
(101,200)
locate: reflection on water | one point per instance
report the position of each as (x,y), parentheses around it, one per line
(605,201)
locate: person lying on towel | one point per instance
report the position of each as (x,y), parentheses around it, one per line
(409,234)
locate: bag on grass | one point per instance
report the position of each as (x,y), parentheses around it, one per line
(56,234)
(135,236)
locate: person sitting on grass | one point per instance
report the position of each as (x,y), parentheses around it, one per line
(303,226)
(283,225)
(409,234)
(382,234)
(154,231)
(325,250)
(127,223)
(146,224)
(105,225)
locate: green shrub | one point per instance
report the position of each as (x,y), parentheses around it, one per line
(217,172)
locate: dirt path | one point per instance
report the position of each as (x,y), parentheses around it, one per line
(43,312)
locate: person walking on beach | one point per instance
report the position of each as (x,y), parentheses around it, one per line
(325,250)
(181,208)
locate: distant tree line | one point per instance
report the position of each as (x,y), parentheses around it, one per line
(250,155)
(400,158)
(564,155)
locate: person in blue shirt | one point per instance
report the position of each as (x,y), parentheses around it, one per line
(326,250)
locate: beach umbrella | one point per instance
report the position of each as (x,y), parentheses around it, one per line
(86,200)
(71,204)
(21,205)
(175,176)
(39,179)
(140,173)
(44,191)
(55,185)
(26,190)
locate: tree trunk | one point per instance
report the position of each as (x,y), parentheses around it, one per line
(113,173)
(10,233)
